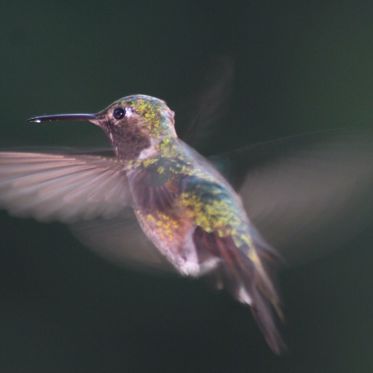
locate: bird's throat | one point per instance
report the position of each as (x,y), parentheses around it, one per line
(129,143)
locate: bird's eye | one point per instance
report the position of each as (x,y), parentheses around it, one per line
(118,113)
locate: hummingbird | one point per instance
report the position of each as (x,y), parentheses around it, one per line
(185,207)
(305,192)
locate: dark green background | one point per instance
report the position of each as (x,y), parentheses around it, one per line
(299,66)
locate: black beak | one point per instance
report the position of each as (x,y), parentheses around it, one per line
(64,117)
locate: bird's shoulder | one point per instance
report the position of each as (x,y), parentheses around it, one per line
(181,177)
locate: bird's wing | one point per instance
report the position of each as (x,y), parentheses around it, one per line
(88,192)
(307,194)
(121,241)
(199,116)
(62,187)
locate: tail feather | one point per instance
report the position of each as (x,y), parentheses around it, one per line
(243,273)
(248,281)
(265,308)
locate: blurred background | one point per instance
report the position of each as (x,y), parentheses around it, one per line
(298,66)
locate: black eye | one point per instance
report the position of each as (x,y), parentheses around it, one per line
(118,113)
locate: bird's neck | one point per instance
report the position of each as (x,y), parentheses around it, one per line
(136,146)
(129,144)
(165,148)
(168,147)
(154,138)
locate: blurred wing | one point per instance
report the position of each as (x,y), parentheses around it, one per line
(121,241)
(307,194)
(63,187)
(203,111)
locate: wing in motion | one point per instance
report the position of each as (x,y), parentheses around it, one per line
(63,187)
(88,192)
(307,194)
(200,116)
(121,241)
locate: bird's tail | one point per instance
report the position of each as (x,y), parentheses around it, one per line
(247,278)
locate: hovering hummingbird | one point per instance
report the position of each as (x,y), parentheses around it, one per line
(184,206)
(305,192)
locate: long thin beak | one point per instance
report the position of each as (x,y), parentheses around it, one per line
(64,117)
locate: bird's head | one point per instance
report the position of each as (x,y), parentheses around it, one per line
(136,125)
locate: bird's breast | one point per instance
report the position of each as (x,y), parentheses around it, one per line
(171,198)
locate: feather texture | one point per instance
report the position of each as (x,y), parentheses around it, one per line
(63,187)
